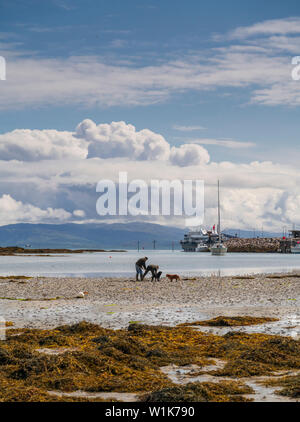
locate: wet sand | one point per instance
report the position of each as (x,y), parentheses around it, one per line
(115,302)
(262,393)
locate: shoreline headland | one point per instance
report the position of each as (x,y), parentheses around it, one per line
(16,250)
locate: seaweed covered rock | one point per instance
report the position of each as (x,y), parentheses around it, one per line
(34,366)
(201,392)
(61,383)
(232,321)
(238,368)
(137,328)
(80,328)
(290,384)
(278,351)
(130,346)
(158,353)
(4,357)
(101,340)
(51,340)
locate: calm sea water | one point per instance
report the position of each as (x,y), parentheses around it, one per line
(122,264)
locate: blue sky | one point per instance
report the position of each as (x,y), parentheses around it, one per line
(214,74)
(146,32)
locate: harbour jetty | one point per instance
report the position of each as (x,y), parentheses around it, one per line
(259,245)
(264,245)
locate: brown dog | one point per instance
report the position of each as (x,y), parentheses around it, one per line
(172,277)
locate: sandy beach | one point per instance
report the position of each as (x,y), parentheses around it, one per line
(115,302)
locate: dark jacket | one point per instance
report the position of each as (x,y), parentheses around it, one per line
(141,262)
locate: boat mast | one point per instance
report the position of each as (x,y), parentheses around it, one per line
(219,216)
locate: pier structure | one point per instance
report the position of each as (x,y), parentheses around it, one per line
(286,243)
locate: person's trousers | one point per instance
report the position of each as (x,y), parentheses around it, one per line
(139,272)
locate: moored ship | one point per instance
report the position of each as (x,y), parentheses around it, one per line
(200,240)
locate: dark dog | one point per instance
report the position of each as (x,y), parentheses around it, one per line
(154,272)
(158,275)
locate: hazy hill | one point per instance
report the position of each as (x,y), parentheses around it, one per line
(117,235)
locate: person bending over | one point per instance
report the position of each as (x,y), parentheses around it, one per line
(139,265)
(153,269)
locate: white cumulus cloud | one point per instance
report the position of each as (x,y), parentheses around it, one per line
(105,141)
(12,211)
(119,139)
(36,145)
(189,155)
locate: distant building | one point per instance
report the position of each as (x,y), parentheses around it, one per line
(295,234)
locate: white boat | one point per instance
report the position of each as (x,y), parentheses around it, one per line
(202,247)
(218,249)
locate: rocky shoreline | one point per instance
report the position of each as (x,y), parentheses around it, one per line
(259,245)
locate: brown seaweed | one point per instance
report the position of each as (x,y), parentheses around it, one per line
(96,359)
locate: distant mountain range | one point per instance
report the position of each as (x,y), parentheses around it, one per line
(100,236)
(91,236)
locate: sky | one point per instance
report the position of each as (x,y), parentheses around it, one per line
(161,89)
